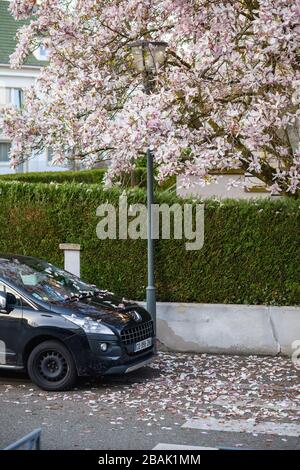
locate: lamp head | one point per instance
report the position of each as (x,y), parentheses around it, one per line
(148,55)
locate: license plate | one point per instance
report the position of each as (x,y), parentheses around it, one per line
(146,343)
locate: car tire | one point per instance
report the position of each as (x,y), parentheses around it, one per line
(51,366)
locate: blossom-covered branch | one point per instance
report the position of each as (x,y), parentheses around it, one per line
(227,97)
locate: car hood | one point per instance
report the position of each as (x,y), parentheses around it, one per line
(104,306)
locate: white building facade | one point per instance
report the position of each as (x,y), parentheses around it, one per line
(12,84)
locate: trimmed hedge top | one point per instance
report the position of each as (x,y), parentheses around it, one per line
(251,251)
(83,176)
(94,176)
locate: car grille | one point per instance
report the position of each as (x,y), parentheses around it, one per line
(138,333)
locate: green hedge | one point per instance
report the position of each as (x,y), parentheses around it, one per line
(83,176)
(251,252)
(94,176)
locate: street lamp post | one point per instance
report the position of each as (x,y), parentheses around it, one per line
(148,57)
(150,291)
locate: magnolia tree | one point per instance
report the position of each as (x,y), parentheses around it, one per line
(227,96)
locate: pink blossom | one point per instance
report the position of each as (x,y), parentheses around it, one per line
(227,97)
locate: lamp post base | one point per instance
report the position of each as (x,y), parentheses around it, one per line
(151,303)
(151,307)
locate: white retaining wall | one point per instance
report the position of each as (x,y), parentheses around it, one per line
(228,329)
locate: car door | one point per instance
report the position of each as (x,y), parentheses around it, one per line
(10,325)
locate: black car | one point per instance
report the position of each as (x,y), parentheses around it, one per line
(58,327)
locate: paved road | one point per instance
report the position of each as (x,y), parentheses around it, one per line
(150,407)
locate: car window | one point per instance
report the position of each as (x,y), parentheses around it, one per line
(20,302)
(42,280)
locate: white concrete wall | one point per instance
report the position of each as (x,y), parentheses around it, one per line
(18,78)
(38,163)
(228,329)
(219,189)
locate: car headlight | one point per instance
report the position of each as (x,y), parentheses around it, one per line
(89,325)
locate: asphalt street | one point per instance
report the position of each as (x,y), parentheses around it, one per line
(149,407)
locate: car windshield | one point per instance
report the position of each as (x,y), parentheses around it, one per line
(43,280)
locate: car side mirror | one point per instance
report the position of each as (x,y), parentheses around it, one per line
(3,302)
(7,302)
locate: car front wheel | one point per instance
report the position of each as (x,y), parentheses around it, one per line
(51,366)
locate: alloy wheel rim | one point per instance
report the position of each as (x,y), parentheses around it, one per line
(52,366)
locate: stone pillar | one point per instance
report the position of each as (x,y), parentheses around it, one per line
(72,257)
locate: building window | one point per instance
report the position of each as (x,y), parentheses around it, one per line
(3,96)
(12,96)
(16,97)
(41,53)
(49,153)
(4,151)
